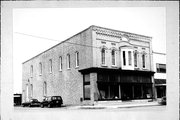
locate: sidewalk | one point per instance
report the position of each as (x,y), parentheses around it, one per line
(117,104)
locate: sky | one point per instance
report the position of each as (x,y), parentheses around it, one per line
(62,23)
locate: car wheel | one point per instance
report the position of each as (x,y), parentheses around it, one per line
(42,105)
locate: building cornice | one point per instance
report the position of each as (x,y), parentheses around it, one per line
(119,34)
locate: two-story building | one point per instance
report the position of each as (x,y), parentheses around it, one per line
(160,73)
(93,65)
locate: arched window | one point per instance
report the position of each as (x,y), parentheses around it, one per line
(40,68)
(31,91)
(77,59)
(60,63)
(103,56)
(135,59)
(50,65)
(68,61)
(143,60)
(31,71)
(113,53)
(45,89)
(27,92)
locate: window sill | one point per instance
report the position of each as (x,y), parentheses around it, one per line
(114,66)
(103,65)
(68,68)
(60,70)
(40,74)
(144,68)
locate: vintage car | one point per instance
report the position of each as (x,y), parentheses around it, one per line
(52,101)
(31,102)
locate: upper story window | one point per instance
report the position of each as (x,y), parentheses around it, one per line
(161,68)
(68,61)
(113,53)
(50,66)
(135,59)
(124,58)
(40,68)
(144,60)
(129,58)
(77,59)
(31,71)
(60,63)
(103,60)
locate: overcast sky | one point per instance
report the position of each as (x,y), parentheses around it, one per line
(62,23)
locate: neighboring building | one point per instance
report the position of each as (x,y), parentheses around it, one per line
(93,65)
(160,75)
(17,99)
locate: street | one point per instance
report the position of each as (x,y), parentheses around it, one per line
(73,113)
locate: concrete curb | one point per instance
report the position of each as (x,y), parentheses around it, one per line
(116,106)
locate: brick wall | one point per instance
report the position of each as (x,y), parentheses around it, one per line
(69,82)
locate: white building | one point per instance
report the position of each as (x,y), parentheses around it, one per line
(159,60)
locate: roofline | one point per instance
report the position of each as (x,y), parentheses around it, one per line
(122,31)
(57,44)
(159,53)
(80,33)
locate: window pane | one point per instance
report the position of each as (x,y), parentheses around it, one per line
(143,60)
(31,71)
(87,92)
(130,58)
(103,56)
(161,68)
(135,59)
(50,65)
(40,68)
(124,58)
(77,59)
(60,63)
(113,57)
(68,61)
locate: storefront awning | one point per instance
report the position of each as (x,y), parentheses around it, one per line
(110,70)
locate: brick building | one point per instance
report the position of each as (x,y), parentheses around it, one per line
(94,65)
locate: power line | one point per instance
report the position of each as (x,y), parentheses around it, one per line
(75,43)
(35,36)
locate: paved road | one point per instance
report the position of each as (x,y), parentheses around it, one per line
(72,113)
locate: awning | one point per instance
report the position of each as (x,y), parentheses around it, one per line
(111,70)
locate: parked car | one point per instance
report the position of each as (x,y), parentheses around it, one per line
(52,101)
(163,101)
(31,102)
